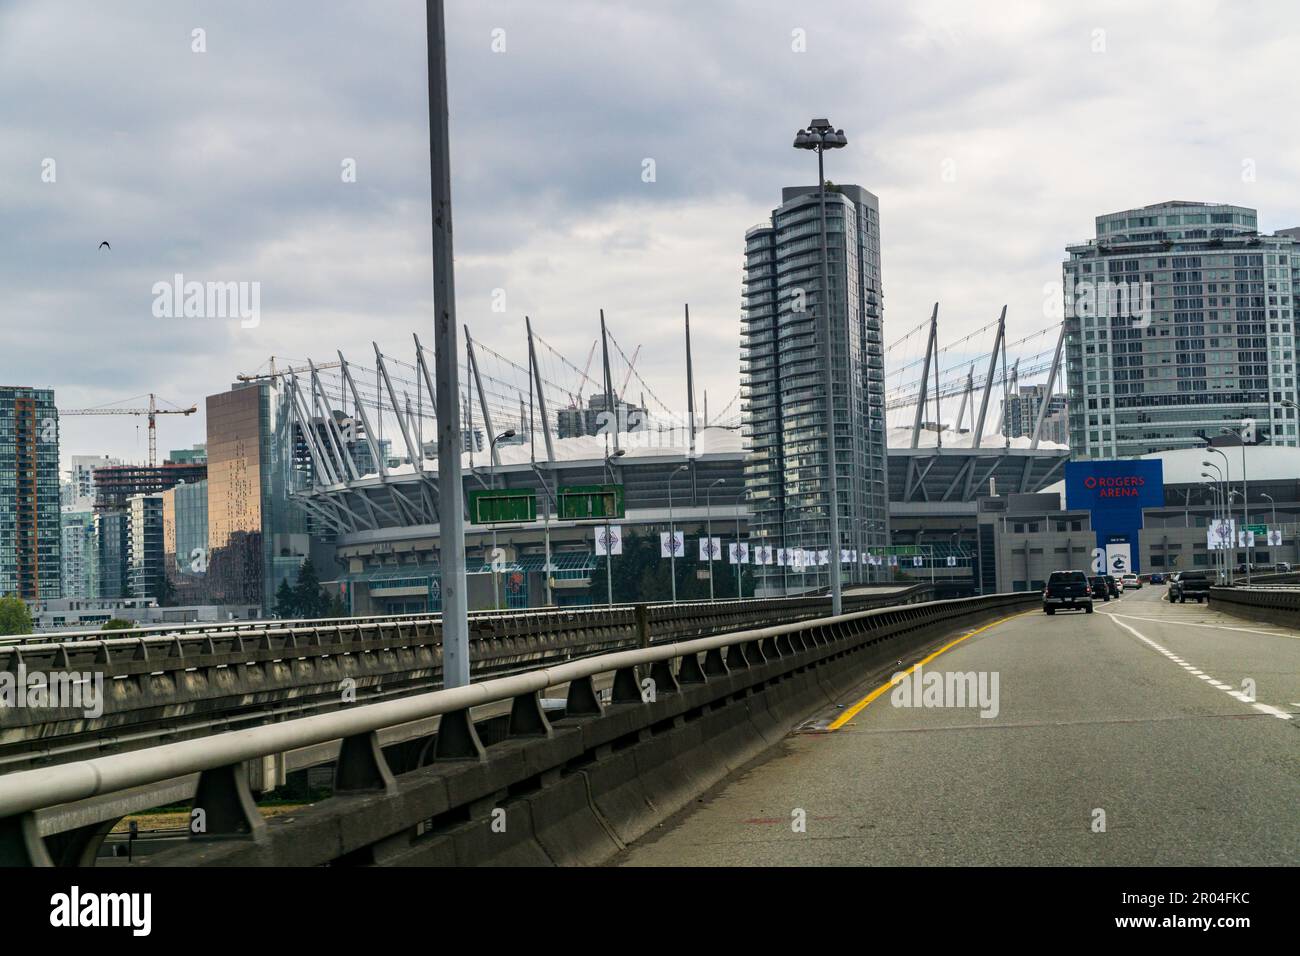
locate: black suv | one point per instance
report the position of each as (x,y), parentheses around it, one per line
(1067,589)
(1102,586)
(1189,584)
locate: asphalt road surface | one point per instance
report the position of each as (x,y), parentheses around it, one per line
(1131,736)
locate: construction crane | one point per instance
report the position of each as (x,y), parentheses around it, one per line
(630,366)
(287,371)
(586,368)
(152,411)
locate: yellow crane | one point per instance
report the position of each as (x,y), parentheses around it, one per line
(152,411)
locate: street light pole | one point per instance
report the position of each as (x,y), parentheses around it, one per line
(1227,483)
(672,531)
(451,507)
(1245,497)
(609,545)
(820,136)
(492,473)
(1217,479)
(708,527)
(739,564)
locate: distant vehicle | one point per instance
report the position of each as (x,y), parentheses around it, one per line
(1113,586)
(1101,586)
(1067,590)
(1282,566)
(1132,581)
(1189,584)
(1157,578)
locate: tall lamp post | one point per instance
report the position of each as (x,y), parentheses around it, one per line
(1221,509)
(492,474)
(609,546)
(740,566)
(1227,505)
(1272,507)
(548,503)
(1245,496)
(819,137)
(708,526)
(672,530)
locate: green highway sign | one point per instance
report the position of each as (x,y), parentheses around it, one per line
(579,502)
(502,506)
(1259,529)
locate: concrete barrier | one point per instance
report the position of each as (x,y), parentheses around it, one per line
(577,790)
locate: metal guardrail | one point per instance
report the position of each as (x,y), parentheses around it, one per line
(221,759)
(173,686)
(247,627)
(1277,604)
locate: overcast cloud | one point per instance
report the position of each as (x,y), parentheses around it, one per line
(225,165)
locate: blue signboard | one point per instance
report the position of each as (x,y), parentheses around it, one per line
(1115,492)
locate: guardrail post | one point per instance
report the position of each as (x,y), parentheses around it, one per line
(582,700)
(627,688)
(714,665)
(362,767)
(21,843)
(227,805)
(689,672)
(643,625)
(736,659)
(527,719)
(661,672)
(457,739)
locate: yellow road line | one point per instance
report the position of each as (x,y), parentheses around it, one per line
(857,708)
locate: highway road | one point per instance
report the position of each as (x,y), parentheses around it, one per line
(1126,737)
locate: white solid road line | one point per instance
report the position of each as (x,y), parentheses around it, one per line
(1217,627)
(1235,694)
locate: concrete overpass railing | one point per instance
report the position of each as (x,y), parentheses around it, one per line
(517,787)
(1276,604)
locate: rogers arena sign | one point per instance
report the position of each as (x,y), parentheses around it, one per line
(1123,486)
(1115,493)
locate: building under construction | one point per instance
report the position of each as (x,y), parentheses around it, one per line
(117,483)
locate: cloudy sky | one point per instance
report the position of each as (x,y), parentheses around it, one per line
(993,133)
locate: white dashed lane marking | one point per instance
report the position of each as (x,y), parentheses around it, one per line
(1235,694)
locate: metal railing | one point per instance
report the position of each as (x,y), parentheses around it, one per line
(220,759)
(174,686)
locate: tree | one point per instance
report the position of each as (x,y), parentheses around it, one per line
(15,618)
(117,624)
(286,603)
(310,601)
(337,608)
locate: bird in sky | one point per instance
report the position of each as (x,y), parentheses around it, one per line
(105,245)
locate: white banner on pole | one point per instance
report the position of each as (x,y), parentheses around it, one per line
(763,554)
(738,552)
(1275,537)
(844,555)
(609,540)
(916,561)
(781,558)
(1220,535)
(1245,539)
(674,548)
(710,549)
(823,556)
(952,562)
